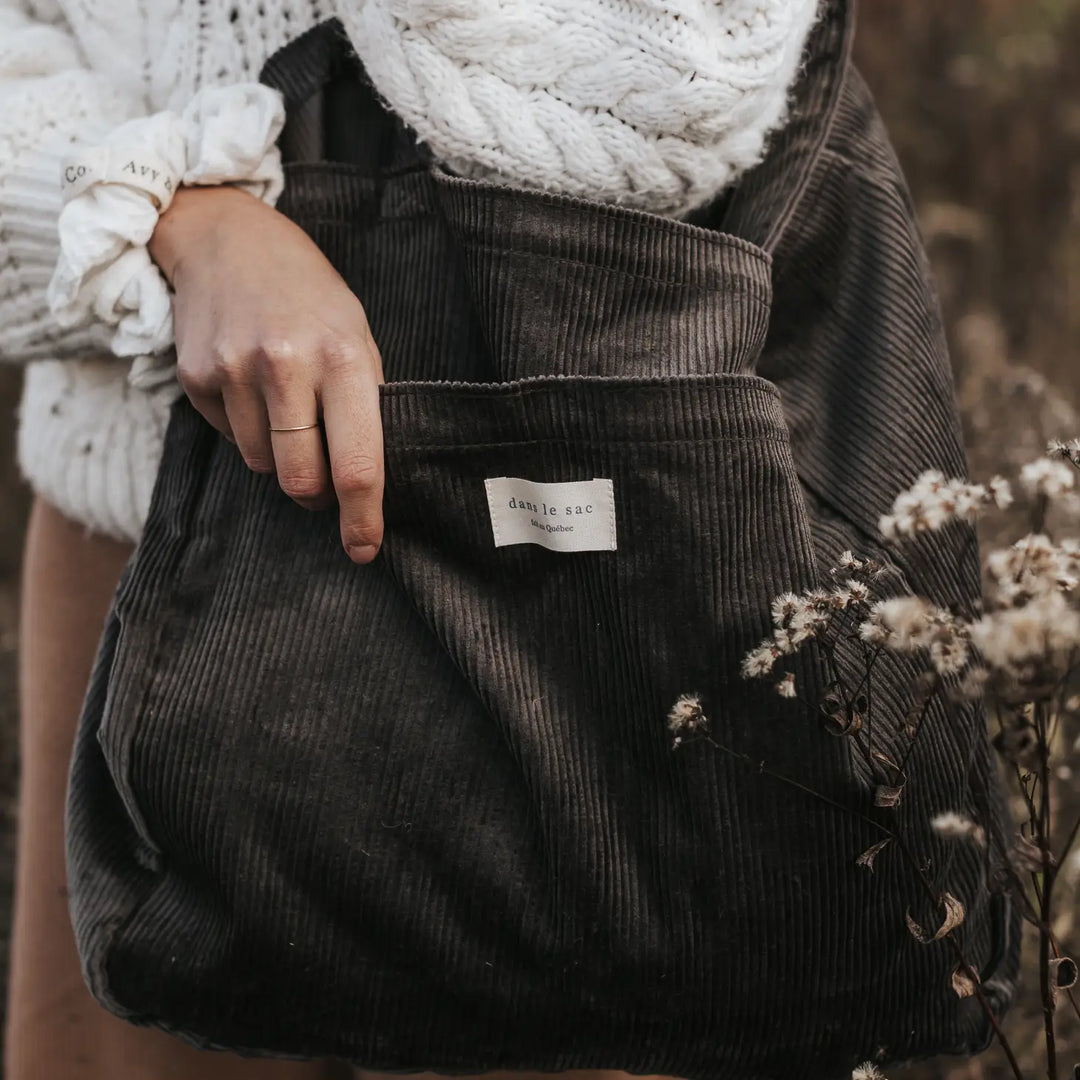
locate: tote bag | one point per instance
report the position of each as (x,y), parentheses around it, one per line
(425,813)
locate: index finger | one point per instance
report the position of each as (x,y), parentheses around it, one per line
(353,425)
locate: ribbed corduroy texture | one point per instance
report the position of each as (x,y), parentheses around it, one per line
(424,813)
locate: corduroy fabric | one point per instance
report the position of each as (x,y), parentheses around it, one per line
(425,813)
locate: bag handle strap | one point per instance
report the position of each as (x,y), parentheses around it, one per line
(332,110)
(766,198)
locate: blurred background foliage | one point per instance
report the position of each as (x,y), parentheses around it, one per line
(982,98)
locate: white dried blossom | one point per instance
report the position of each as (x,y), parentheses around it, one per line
(969,500)
(784,607)
(810,620)
(1045,629)
(686,714)
(931,502)
(949,650)
(796,617)
(1048,478)
(873,632)
(954,826)
(760,661)
(1031,566)
(786,686)
(1069,450)
(907,620)
(858,591)
(799,616)
(867,1071)
(1000,492)
(849,592)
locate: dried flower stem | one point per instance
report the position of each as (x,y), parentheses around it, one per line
(1049,876)
(1025,640)
(760,767)
(909,856)
(1070,840)
(910,748)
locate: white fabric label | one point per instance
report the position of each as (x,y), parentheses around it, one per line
(577,515)
(137,167)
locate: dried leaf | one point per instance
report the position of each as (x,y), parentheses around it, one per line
(832,703)
(867,857)
(877,755)
(842,724)
(954,916)
(887,796)
(1063,973)
(1027,855)
(962,982)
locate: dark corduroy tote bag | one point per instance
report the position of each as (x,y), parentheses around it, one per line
(425,814)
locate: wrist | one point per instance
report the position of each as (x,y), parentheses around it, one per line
(195,212)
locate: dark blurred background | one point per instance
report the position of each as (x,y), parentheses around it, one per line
(982,98)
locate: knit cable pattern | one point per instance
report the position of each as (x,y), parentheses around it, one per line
(649,103)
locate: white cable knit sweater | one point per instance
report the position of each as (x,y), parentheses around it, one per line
(656,104)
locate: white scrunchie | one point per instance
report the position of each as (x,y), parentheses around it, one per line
(114,192)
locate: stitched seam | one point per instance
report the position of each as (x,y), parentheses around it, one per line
(741,285)
(770,437)
(608,384)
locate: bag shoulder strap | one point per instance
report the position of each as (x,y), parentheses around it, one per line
(333,112)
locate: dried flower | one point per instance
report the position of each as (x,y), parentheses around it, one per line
(873,632)
(908,623)
(1046,628)
(867,1071)
(786,686)
(1000,492)
(949,651)
(858,591)
(760,661)
(686,715)
(954,826)
(1033,566)
(784,607)
(932,501)
(1069,450)
(1047,478)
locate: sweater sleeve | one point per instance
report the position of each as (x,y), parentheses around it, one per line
(49,99)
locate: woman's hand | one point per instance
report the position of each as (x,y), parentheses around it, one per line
(268,334)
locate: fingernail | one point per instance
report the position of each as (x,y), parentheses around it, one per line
(362,552)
